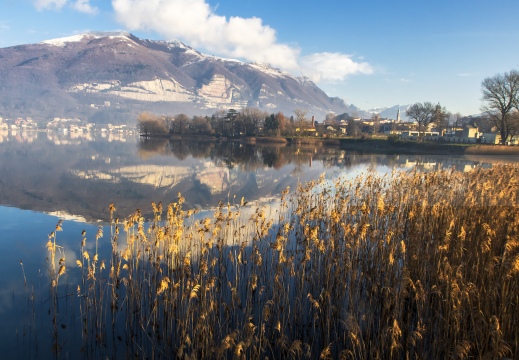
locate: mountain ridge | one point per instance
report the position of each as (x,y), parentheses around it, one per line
(118,74)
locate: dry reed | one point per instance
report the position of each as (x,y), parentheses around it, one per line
(403,266)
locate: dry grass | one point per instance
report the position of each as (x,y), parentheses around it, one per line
(409,265)
(492,150)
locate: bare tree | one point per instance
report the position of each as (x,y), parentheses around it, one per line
(282,122)
(353,128)
(201,126)
(301,118)
(513,126)
(441,118)
(375,121)
(168,122)
(301,115)
(423,114)
(149,123)
(253,119)
(501,95)
(180,124)
(218,122)
(456,120)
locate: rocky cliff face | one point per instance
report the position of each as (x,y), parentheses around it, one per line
(79,75)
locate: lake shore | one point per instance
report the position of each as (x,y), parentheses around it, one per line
(411,147)
(369,145)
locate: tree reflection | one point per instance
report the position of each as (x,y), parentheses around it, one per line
(240,156)
(152,147)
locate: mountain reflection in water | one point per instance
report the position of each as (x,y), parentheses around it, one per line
(80,176)
(74,178)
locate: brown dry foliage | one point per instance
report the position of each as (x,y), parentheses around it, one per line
(408,265)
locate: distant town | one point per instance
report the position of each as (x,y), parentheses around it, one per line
(26,130)
(456,130)
(251,122)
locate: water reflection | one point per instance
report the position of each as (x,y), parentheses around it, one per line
(79,175)
(75,178)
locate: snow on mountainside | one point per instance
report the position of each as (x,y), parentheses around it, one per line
(72,76)
(377,111)
(88,36)
(63,41)
(391,112)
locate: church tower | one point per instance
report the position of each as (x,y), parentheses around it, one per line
(398,114)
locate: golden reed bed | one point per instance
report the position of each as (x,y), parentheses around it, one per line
(492,150)
(404,266)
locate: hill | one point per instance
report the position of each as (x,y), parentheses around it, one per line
(113,76)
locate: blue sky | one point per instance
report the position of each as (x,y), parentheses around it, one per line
(371,53)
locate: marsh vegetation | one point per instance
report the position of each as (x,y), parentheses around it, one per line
(402,266)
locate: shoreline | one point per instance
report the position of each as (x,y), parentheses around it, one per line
(361,145)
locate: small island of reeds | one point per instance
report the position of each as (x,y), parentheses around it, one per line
(419,265)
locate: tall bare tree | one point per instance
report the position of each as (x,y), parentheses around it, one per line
(353,128)
(423,114)
(180,124)
(301,115)
(218,120)
(301,119)
(253,119)
(501,96)
(441,118)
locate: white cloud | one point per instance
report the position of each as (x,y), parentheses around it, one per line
(49,4)
(78,5)
(85,7)
(196,23)
(332,66)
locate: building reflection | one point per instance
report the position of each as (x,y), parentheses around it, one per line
(82,174)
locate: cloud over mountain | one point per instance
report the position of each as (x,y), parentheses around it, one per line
(195,22)
(332,66)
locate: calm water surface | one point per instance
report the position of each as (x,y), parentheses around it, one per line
(45,178)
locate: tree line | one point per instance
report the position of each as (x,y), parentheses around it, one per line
(500,107)
(500,111)
(231,123)
(254,122)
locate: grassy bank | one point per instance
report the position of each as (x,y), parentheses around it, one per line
(410,265)
(492,150)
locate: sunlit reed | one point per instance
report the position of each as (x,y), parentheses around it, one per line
(402,266)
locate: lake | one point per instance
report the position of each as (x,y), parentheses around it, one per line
(49,177)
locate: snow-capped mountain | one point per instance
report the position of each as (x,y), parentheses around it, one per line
(391,112)
(119,74)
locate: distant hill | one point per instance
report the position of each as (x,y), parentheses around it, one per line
(111,77)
